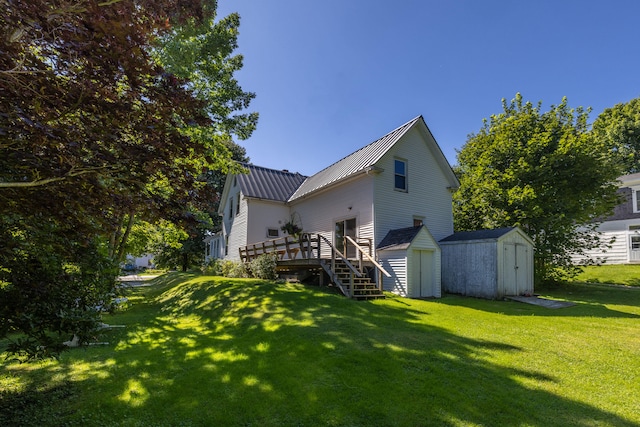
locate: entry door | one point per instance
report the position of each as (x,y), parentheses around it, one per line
(423,273)
(634,252)
(344,228)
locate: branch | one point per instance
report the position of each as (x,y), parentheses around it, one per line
(45,181)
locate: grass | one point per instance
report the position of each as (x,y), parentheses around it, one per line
(204,351)
(619,274)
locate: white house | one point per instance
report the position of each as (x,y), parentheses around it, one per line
(399,181)
(623,227)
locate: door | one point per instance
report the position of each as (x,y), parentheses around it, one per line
(516,273)
(423,273)
(634,249)
(346,227)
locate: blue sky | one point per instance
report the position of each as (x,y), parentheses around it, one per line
(332,76)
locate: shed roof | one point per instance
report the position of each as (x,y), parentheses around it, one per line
(359,161)
(269,184)
(478,235)
(399,239)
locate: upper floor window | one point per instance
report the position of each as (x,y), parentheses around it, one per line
(636,200)
(231,208)
(238,205)
(400,175)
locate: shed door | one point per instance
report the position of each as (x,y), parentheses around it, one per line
(517,271)
(423,273)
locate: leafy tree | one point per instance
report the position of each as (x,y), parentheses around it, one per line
(542,171)
(619,126)
(94,132)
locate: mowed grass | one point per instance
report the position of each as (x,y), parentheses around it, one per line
(211,351)
(619,274)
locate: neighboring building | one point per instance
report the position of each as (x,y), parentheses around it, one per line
(399,181)
(495,263)
(623,227)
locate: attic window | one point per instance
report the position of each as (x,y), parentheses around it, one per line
(238,205)
(400,175)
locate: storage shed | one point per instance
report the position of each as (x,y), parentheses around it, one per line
(488,263)
(412,257)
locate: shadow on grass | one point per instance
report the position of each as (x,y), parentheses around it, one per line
(219,353)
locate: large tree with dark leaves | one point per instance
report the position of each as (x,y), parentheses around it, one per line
(94,129)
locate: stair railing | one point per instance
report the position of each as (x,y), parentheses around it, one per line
(362,253)
(336,254)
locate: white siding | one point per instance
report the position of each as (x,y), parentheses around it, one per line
(619,253)
(395,262)
(263,215)
(427,195)
(352,199)
(235,228)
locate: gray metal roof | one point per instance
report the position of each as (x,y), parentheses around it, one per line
(354,163)
(269,184)
(400,238)
(477,235)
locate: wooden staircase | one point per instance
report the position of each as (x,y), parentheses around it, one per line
(352,284)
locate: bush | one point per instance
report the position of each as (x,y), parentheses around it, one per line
(233,269)
(264,267)
(212,267)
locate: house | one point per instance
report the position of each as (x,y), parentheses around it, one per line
(622,228)
(401,180)
(496,263)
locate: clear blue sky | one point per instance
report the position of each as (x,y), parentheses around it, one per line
(332,76)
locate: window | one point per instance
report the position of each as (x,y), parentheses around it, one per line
(238,205)
(231,208)
(636,201)
(400,175)
(417,222)
(273,233)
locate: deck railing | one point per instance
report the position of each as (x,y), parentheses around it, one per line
(311,246)
(287,248)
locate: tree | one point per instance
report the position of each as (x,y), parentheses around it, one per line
(619,126)
(542,171)
(94,131)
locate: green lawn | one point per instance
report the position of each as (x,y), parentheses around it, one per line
(210,351)
(628,275)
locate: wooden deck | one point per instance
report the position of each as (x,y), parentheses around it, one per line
(315,253)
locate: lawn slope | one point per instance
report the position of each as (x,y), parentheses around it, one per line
(204,351)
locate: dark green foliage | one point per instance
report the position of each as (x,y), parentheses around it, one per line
(264,267)
(619,126)
(53,285)
(542,171)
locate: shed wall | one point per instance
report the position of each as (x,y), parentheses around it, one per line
(395,262)
(470,268)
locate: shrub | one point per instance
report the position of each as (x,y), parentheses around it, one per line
(212,267)
(264,267)
(234,269)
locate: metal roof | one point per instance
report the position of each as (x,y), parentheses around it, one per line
(269,184)
(354,163)
(400,238)
(478,235)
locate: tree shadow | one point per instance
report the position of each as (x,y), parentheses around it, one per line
(289,355)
